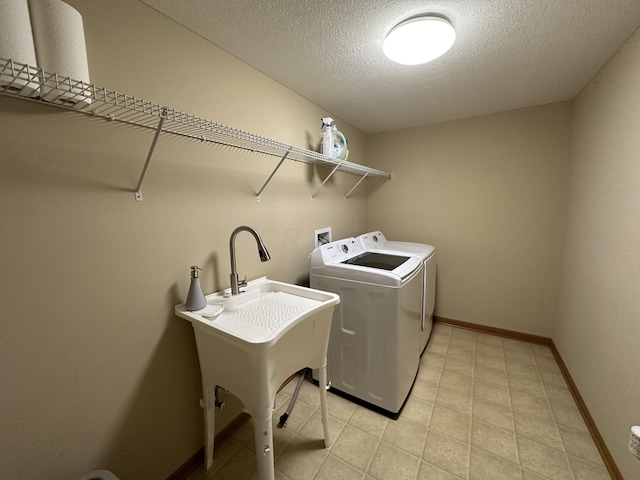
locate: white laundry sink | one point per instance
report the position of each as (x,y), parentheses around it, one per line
(263,312)
(262,336)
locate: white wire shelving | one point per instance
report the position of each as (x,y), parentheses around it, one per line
(33,84)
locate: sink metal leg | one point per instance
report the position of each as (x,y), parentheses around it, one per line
(322,384)
(209,423)
(263,435)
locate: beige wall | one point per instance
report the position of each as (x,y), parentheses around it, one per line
(598,330)
(490,193)
(96,371)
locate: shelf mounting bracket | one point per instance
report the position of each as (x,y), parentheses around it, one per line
(272,174)
(163,117)
(335,169)
(356,185)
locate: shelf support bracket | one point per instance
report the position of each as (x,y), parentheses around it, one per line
(163,117)
(272,174)
(335,169)
(356,185)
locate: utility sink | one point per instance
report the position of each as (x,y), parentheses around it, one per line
(262,336)
(263,312)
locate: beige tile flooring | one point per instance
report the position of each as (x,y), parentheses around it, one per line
(482,407)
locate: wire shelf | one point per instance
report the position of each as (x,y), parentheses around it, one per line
(32,83)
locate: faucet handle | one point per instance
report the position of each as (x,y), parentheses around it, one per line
(243,282)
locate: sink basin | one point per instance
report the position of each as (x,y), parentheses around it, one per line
(263,312)
(262,336)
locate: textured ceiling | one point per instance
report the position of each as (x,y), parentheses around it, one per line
(508,53)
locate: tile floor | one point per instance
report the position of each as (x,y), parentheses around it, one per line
(482,407)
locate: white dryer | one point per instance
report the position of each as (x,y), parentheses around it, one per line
(376,240)
(373,354)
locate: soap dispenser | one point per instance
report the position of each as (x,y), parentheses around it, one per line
(195,297)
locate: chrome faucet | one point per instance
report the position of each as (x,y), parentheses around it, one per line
(262,251)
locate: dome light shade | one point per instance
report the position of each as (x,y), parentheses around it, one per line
(419,40)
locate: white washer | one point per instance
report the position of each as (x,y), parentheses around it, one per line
(376,240)
(373,352)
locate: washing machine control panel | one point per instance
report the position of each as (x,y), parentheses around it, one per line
(341,250)
(372,240)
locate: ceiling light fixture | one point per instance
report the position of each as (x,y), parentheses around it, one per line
(419,40)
